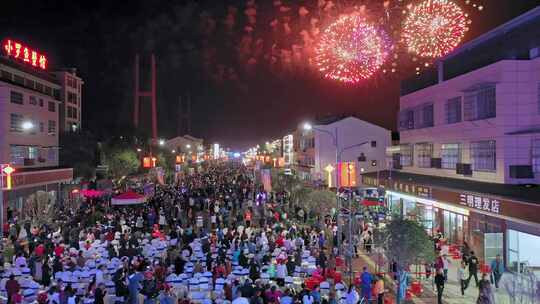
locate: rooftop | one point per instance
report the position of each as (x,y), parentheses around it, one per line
(524,193)
(517,39)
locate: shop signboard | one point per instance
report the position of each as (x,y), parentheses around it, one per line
(421,191)
(479,202)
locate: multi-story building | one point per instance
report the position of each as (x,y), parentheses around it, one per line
(469,153)
(288,150)
(360,149)
(70,108)
(29,127)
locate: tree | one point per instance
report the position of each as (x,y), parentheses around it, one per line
(121,161)
(39,208)
(78,151)
(406,242)
(321,201)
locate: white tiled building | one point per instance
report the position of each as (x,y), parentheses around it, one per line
(351,131)
(482,124)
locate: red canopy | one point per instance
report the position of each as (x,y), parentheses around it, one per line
(371,203)
(92,193)
(128,198)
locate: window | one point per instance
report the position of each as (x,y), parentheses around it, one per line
(29,83)
(52,127)
(48,90)
(536,155)
(483,155)
(426,111)
(41,127)
(7,75)
(52,155)
(450,155)
(72,98)
(16,97)
(52,106)
(41,102)
(15,124)
(406,119)
(18,79)
(453,110)
(17,155)
(33,100)
(480,103)
(39,86)
(424,152)
(33,152)
(406,155)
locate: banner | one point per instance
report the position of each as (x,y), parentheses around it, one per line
(266,180)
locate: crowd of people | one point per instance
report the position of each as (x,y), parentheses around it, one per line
(213,237)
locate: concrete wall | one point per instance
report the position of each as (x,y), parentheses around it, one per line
(31,112)
(517,108)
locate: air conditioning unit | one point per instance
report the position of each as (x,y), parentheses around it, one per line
(534,52)
(436,163)
(521,171)
(464,169)
(29,161)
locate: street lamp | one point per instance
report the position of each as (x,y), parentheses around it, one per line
(161,142)
(173,151)
(27,125)
(188,146)
(307,126)
(139,150)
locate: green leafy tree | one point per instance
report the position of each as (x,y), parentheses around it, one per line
(406,242)
(321,201)
(121,161)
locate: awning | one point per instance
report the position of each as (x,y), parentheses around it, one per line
(128,198)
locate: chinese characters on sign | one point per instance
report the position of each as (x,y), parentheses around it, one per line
(421,191)
(480,203)
(21,52)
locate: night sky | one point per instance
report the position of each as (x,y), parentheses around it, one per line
(239,66)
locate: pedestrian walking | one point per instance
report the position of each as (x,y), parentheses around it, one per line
(439,282)
(473,268)
(366,279)
(485,294)
(379,289)
(463,275)
(497,270)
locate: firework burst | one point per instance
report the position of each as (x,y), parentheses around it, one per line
(351,49)
(433,28)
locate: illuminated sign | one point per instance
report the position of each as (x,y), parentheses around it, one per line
(348,174)
(7,170)
(21,52)
(149,162)
(480,202)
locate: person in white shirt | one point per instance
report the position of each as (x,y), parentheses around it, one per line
(308,299)
(240,299)
(352,297)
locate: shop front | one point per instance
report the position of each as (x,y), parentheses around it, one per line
(434,215)
(489,225)
(26,184)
